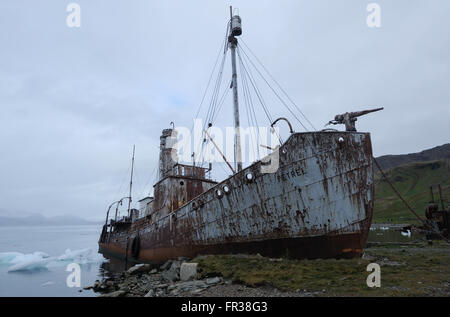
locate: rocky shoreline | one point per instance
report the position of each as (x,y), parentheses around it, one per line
(415,269)
(178,279)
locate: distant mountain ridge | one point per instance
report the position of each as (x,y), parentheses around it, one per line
(40,220)
(437,153)
(413,181)
(411,174)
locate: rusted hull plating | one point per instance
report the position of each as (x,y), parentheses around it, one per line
(318,204)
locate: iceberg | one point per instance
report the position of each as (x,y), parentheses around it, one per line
(42,261)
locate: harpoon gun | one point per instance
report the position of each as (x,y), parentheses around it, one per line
(349,118)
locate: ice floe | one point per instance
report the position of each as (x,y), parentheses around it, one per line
(42,261)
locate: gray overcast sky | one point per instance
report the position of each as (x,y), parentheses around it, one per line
(74,100)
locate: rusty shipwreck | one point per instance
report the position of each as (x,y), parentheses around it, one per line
(316,203)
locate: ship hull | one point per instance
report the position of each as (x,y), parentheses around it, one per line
(318,203)
(336,246)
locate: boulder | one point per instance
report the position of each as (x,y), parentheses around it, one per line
(188,271)
(139,268)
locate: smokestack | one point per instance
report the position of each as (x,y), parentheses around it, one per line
(168,155)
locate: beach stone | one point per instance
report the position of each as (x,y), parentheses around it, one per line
(166,265)
(150,293)
(365,256)
(276,260)
(96,285)
(160,286)
(175,265)
(160,293)
(213,280)
(114,294)
(198,290)
(139,268)
(110,283)
(386,262)
(188,271)
(124,288)
(171,275)
(190,285)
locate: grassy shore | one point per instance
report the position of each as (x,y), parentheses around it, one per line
(418,270)
(412,181)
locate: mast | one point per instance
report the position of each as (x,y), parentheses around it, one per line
(235,29)
(131,181)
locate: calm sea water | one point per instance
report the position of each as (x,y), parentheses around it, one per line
(33,260)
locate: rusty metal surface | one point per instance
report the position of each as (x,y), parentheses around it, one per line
(437,220)
(318,204)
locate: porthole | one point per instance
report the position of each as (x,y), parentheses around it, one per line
(341,139)
(226,189)
(249,177)
(194,205)
(219,193)
(181,183)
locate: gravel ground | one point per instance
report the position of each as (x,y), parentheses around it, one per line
(152,282)
(233,290)
(406,271)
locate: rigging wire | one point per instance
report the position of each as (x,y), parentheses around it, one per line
(221,102)
(218,99)
(274,91)
(276,82)
(215,94)
(248,73)
(213,103)
(252,122)
(136,181)
(222,50)
(258,93)
(150,178)
(123,181)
